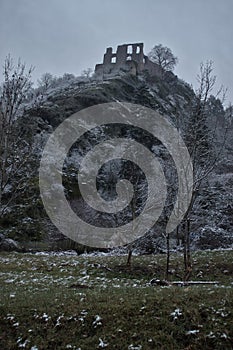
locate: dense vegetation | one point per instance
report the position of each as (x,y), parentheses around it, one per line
(25,220)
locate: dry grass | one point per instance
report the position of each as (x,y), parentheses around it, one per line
(45,303)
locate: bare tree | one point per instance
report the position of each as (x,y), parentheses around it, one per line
(46,81)
(14,149)
(201,139)
(164,57)
(87,73)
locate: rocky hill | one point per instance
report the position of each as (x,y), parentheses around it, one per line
(25,220)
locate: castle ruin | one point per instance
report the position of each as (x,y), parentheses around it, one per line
(129,58)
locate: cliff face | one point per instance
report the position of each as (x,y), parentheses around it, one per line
(211,226)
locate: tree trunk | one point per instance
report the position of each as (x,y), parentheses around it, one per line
(185,250)
(188,243)
(129,258)
(168,256)
(187,253)
(177,236)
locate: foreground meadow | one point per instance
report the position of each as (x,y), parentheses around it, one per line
(65,301)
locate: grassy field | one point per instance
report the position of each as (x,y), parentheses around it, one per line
(84,303)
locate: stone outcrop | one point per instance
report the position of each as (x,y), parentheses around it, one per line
(129,58)
(8,245)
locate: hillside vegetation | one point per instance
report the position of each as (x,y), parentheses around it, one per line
(25,220)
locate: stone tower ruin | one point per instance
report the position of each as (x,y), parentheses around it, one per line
(129,58)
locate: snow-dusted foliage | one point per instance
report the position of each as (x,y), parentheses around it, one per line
(55,99)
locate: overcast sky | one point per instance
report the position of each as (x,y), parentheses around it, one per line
(59,36)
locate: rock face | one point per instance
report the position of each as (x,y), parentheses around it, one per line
(27,220)
(129,58)
(8,245)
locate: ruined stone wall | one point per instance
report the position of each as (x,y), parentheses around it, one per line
(152,68)
(129,58)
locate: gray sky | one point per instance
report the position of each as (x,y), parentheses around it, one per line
(59,36)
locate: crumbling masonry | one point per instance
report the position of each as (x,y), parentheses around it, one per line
(129,58)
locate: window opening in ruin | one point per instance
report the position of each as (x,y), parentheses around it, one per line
(130,49)
(113,60)
(129,58)
(138,49)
